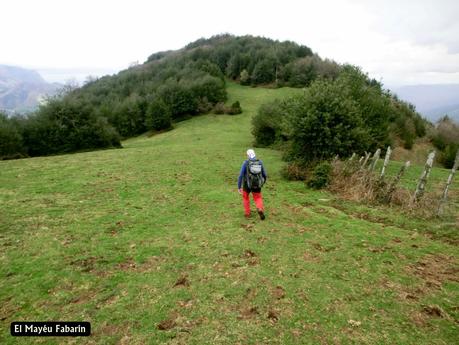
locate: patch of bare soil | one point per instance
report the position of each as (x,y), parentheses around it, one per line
(127,265)
(310,257)
(179,323)
(246,309)
(109,329)
(248,312)
(278,292)
(322,248)
(182,281)
(86,264)
(434,270)
(167,324)
(273,315)
(421,317)
(262,239)
(251,258)
(379,249)
(7,310)
(149,265)
(247,227)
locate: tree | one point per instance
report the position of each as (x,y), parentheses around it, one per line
(244,77)
(326,121)
(11,144)
(271,124)
(264,71)
(158,115)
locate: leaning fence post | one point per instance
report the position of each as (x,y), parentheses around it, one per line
(397,179)
(423,179)
(386,162)
(375,159)
(448,183)
(367,156)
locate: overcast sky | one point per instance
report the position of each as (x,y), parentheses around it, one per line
(398,42)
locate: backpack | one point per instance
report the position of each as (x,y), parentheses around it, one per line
(255,178)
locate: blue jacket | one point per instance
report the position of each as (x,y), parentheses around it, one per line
(243,174)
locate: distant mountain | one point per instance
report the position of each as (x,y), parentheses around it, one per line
(432,101)
(22,89)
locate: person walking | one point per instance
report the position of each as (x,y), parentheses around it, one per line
(251,178)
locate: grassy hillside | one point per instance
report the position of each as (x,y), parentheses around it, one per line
(153,236)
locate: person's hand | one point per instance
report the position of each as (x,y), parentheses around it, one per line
(240,190)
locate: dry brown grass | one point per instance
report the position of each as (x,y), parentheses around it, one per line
(417,155)
(351,182)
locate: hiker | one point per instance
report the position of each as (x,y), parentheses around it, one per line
(251,179)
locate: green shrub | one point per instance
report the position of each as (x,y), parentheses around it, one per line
(244,78)
(321,175)
(11,143)
(235,108)
(327,121)
(446,139)
(158,116)
(221,108)
(270,124)
(449,155)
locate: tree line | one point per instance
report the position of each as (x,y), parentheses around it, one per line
(168,87)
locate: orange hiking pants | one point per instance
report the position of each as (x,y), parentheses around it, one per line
(246,201)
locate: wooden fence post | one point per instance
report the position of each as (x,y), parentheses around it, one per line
(448,183)
(386,162)
(393,186)
(375,159)
(423,179)
(367,156)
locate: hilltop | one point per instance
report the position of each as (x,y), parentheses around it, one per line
(174,85)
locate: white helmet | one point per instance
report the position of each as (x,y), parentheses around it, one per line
(251,154)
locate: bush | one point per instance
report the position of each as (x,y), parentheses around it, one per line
(204,106)
(179,98)
(67,125)
(244,77)
(449,155)
(221,108)
(321,176)
(11,144)
(294,171)
(158,116)
(327,121)
(270,124)
(264,72)
(235,108)
(446,139)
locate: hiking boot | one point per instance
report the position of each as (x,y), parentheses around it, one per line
(247,216)
(261,214)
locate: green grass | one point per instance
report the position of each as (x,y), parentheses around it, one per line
(104,237)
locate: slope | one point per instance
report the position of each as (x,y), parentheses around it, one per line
(148,243)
